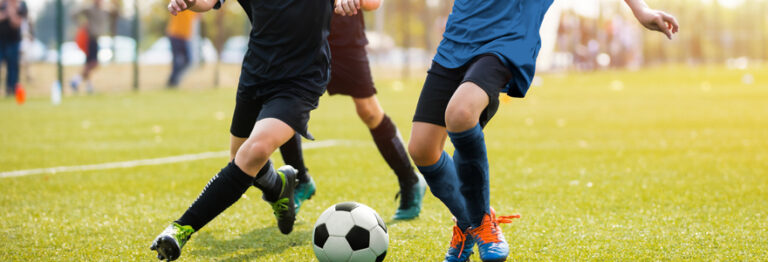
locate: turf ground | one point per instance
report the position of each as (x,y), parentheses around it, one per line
(659,164)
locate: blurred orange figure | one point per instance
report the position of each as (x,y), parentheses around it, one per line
(21,94)
(179,32)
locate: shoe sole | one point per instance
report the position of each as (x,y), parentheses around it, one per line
(166,247)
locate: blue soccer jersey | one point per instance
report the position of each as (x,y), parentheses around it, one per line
(507,28)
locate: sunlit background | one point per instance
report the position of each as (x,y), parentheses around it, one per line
(577,36)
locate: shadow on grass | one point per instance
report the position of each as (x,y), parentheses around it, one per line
(398,221)
(257,243)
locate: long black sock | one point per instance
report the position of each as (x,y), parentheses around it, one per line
(471,160)
(391,148)
(293,156)
(223,190)
(269,182)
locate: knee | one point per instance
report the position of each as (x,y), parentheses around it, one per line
(422,156)
(255,151)
(458,118)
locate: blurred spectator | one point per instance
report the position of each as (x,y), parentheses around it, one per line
(27,40)
(12,14)
(179,32)
(590,43)
(95,21)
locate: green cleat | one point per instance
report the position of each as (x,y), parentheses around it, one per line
(410,201)
(169,243)
(304,192)
(285,207)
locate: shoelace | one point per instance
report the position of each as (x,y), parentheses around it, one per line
(489,229)
(279,206)
(181,233)
(458,237)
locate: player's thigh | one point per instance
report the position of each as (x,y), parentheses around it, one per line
(439,86)
(489,74)
(271,132)
(267,135)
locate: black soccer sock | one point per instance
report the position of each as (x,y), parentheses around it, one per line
(223,190)
(293,156)
(269,182)
(391,148)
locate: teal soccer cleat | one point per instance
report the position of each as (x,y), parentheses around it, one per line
(304,192)
(410,200)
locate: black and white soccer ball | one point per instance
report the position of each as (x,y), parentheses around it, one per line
(350,231)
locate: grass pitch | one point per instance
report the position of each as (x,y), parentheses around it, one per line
(662,164)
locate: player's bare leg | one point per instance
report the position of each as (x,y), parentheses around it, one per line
(369,110)
(85,76)
(465,107)
(427,143)
(267,135)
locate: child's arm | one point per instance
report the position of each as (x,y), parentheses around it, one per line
(176,6)
(653,19)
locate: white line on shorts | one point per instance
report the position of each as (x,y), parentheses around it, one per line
(160,161)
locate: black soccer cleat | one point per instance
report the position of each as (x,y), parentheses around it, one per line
(285,207)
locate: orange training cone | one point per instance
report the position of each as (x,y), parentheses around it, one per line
(21,95)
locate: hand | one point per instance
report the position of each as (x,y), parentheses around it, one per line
(347,7)
(176,6)
(10,7)
(657,21)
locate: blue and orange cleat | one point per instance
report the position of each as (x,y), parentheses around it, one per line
(490,241)
(461,246)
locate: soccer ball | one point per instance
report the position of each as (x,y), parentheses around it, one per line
(350,231)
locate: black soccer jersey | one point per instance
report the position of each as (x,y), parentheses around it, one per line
(288,39)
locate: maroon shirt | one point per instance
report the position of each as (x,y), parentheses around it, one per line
(347,31)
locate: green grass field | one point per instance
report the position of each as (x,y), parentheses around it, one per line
(659,164)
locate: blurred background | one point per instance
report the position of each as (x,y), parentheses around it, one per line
(584,35)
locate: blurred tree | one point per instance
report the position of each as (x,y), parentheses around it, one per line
(47,17)
(222,24)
